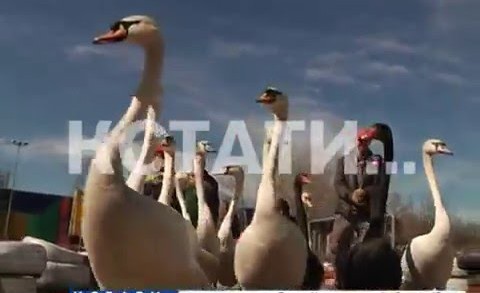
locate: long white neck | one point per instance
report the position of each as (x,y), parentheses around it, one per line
(181,200)
(107,158)
(136,179)
(226,227)
(148,94)
(266,192)
(266,147)
(442,221)
(152,70)
(198,169)
(167,181)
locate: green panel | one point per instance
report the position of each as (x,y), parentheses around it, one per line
(191,202)
(45,225)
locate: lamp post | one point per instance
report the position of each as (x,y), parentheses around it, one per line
(19,144)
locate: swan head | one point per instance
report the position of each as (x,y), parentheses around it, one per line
(276,101)
(436,147)
(303,178)
(204,147)
(185,179)
(234,170)
(137,29)
(167,144)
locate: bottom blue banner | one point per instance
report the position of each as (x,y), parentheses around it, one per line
(271,291)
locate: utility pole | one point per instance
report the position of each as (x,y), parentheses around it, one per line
(19,144)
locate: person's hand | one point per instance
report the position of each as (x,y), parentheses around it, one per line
(307,199)
(359,196)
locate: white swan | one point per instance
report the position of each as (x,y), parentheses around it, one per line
(226,275)
(168,147)
(428,260)
(206,228)
(128,238)
(182,180)
(270,253)
(136,179)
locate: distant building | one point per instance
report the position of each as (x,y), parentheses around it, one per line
(40,215)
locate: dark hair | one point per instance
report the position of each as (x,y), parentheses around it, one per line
(371,265)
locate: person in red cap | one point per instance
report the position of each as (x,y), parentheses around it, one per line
(353,213)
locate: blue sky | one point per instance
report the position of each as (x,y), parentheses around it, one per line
(411,64)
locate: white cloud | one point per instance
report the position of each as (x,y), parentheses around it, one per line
(451,16)
(125,57)
(385,45)
(352,68)
(447,57)
(40,147)
(329,76)
(221,48)
(86,51)
(388,69)
(450,78)
(331,57)
(368,73)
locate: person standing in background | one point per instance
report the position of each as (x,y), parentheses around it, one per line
(358,195)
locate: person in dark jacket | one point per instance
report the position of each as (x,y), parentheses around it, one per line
(359,209)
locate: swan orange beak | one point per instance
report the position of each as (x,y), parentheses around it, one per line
(111,37)
(446,151)
(265,99)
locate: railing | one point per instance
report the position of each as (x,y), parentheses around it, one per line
(319,229)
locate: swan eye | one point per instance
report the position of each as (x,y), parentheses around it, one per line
(272,92)
(122,23)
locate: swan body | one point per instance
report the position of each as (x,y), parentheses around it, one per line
(428,260)
(226,275)
(314,271)
(126,235)
(206,227)
(270,253)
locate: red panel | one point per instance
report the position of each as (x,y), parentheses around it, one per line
(64,221)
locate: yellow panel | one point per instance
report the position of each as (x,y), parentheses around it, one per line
(76,214)
(18,226)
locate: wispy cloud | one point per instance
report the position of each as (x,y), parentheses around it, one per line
(332,58)
(385,45)
(352,68)
(450,78)
(329,76)
(40,147)
(388,69)
(392,45)
(79,51)
(447,57)
(128,58)
(234,49)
